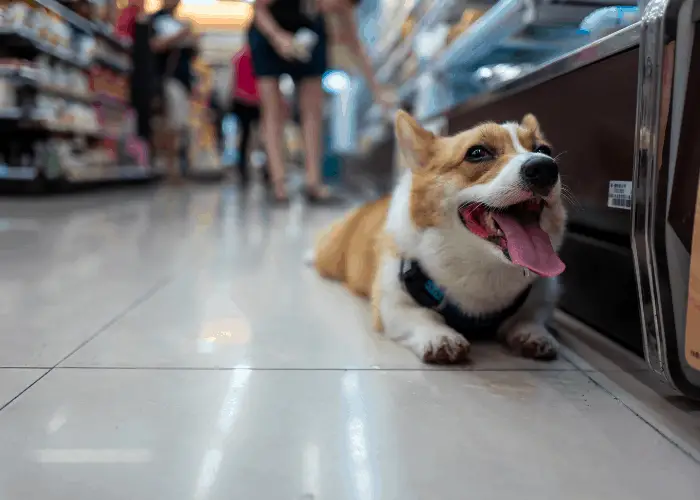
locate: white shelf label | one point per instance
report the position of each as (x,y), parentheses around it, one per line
(620,195)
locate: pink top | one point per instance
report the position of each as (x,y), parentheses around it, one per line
(245,89)
(126,23)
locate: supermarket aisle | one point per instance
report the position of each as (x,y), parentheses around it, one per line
(187,354)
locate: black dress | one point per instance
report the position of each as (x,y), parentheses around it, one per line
(291,17)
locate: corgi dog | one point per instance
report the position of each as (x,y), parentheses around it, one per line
(465,246)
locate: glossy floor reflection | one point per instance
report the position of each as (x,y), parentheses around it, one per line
(169,344)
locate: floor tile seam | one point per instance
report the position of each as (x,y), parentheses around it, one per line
(133,305)
(18,395)
(25,367)
(303,369)
(589,375)
(265,368)
(159,285)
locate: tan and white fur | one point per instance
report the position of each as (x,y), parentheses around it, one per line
(420,221)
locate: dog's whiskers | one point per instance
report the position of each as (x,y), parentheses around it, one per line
(562,153)
(569,196)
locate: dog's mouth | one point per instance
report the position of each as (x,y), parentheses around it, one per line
(516,231)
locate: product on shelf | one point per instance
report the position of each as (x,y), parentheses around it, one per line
(60,77)
(469,17)
(16,15)
(409,67)
(43,26)
(100,10)
(109,83)
(407,27)
(85,47)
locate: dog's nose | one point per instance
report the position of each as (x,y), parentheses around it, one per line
(540,174)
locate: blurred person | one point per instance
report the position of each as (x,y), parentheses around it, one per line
(175,47)
(274,52)
(216,115)
(126,22)
(245,104)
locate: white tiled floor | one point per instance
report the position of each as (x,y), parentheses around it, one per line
(193,356)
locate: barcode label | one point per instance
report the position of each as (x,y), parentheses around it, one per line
(620,194)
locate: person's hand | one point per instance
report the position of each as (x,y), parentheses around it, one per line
(283,43)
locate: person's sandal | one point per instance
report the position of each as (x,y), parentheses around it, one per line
(320,195)
(278,193)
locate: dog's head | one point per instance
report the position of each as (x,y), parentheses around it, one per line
(496,184)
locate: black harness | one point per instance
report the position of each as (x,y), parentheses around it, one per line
(428,294)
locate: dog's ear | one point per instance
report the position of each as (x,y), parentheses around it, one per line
(414,141)
(530,123)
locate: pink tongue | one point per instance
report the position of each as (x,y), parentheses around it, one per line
(529,246)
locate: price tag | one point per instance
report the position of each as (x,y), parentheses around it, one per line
(620,195)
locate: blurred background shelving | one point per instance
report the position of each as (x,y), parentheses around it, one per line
(64,99)
(440,54)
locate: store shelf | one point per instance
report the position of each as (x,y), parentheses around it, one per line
(26,39)
(70,130)
(59,146)
(12,173)
(11,114)
(29,77)
(434,13)
(112,63)
(66,94)
(588,54)
(510,39)
(68,15)
(389,41)
(29,120)
(82,175)
(83,24)
(95,173)
(512,44)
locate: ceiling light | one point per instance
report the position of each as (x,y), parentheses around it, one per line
(335,81)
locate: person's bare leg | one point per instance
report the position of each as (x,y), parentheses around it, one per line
(273,130)
(167,147)
(173,156)
(311,100)
(256,145)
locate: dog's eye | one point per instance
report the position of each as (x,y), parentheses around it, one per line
(478,153)
(542,149)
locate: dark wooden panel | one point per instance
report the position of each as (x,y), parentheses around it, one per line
(599,288)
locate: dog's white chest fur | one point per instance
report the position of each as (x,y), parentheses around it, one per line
(472,276)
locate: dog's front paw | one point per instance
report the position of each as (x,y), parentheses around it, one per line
(533,341)
(445,347)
